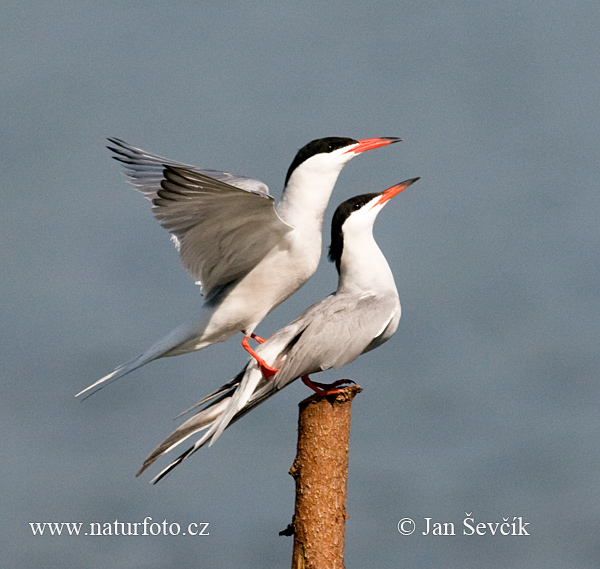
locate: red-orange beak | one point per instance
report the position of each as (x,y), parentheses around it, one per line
(388,194)
(370,143)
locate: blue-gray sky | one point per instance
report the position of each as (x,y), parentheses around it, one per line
(485,401)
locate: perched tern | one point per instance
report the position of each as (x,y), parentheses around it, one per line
(361,315)
(247,253)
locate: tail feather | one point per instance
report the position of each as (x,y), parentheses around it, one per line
(175,463)
(224,390)
(252,378)
(237,397)
(183,339)
(118,373)
(202,420)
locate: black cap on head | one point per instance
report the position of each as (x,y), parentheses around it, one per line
(342,213)
(319,146)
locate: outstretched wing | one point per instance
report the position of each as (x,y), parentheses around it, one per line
(222,224)
(145,170)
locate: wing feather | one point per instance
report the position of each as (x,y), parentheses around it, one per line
(354,323)
(145,170)
(222,224)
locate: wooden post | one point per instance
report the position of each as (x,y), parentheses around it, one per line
(321,473)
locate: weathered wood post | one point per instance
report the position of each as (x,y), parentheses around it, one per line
(321,473)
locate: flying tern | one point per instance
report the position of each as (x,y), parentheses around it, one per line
(361,315)
(247,253)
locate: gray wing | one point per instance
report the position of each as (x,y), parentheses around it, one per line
(223,224)
(333,333)
(145,170)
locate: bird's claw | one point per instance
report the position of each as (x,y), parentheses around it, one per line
(325,389)
(333,385)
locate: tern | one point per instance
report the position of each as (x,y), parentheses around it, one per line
(247,253)
(362,314)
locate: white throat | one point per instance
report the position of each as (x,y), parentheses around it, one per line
(363,267)
(309,189)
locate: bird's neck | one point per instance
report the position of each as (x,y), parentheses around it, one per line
(306,195)
(363,267)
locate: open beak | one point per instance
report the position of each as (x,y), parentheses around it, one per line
(388,194)
(370,143)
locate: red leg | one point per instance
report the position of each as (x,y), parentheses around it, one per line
(257,338)
(254,336)
(266,369)
(324,389)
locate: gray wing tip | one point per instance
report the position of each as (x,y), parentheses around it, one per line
(163,473)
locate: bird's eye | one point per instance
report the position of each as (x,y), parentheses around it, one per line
(357,206)
(330,147)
